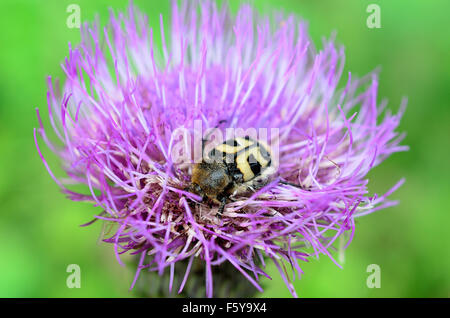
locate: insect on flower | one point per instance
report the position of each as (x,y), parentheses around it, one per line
(124,98)
(239,165)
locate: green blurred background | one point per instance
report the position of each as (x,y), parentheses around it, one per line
(410,242)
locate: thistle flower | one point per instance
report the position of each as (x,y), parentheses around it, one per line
(124,98)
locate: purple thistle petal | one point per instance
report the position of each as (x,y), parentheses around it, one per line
(117,115)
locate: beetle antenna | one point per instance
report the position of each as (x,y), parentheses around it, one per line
(206,138)
(292,184)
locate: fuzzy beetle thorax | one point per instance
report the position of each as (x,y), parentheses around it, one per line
(210,179)
(231,168)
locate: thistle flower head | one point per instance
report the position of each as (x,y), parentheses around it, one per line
(129,108)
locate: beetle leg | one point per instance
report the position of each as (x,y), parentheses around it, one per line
(207,201)
(238,177)
(223,202)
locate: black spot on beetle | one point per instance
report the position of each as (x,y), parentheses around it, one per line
(254,165)
(264,153)
(232,142)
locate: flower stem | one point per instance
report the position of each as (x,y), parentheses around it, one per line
(227,283)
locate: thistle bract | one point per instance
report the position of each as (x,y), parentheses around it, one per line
(124,99)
